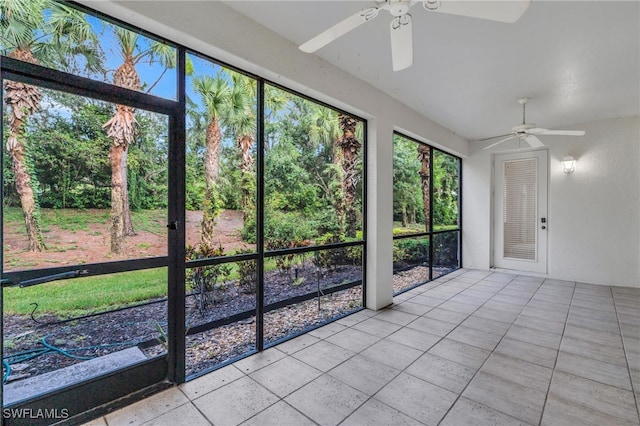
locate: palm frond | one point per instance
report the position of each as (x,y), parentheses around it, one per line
(163,53)
(215,94)
(325,126)
(128,41)
(19,22)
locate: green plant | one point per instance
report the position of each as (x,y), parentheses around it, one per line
(163,336)
(286,262)
(411,250)
(208,282)
(332,259)
(247,273)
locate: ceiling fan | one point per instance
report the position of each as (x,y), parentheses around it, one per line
(401,24)
(529,133)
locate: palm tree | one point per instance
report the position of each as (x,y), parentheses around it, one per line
(56,40)
(121,128)
(221,102)
(350,146)
(325,130)
(275,100)
(243,124)
(424,156)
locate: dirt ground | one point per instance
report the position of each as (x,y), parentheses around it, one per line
(93,244)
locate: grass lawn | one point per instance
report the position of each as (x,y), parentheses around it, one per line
(414,228)
(80,296)
(67,298)
(79,220)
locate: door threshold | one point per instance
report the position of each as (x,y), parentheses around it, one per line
(516,272)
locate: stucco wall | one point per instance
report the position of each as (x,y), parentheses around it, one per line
(594,213)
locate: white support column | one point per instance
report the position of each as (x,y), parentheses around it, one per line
(379,214)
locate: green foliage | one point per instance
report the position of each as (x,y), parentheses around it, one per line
(445,189)
(407,190)
(58,35)
(247,273)
(68,154)
(445,252)
(208,282)
(332,259)
(408,208)
(411,250)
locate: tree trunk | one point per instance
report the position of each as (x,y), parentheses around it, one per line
(27,200)
(405,222)
(212,154)
(120,128)
(425,175)
(350,148)
(245,142)
(211,171)
(117,207)
(22,100)
(117,212)
(126,211)
(338,203)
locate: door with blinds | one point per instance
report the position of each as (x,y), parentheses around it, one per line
(520,222)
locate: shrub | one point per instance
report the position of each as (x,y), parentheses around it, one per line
(332,259)
(411,250)
(208,282)
(247,273)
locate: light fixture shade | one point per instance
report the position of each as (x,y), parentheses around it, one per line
(568,164)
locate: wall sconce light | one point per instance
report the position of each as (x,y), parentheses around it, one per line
(568,164)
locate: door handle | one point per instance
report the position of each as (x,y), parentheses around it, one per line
(543,220)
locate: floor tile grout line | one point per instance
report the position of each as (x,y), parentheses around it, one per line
(404,369)
(466,286)
(496,293)
(280,399)
(485,361)
(553,370)
(200,411)
(626,357)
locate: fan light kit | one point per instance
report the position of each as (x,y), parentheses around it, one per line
(529,132)
(402,22)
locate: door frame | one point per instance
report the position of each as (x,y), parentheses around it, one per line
(155,373)
(539,267)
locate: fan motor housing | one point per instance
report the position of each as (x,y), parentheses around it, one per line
(399,7)
(522,128)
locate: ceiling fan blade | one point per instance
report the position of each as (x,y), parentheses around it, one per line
(402,42)
(341,28)
(533,141)
(502,11)
(499,142)
(545,132)
(494,137)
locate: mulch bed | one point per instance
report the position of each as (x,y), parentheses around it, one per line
(108,332)
(113,331)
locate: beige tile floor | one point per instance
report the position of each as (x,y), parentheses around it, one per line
(472,347)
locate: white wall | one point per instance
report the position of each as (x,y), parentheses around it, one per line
(215,29)
(594,213)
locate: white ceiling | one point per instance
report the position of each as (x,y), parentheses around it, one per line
(578,61)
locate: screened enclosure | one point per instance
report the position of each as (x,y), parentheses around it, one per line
(426,213)
(163,214)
